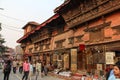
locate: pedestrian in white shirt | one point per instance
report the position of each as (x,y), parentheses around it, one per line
(34,67)
(30,71)
(38,69)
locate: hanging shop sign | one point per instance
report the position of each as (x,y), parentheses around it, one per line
(110,57)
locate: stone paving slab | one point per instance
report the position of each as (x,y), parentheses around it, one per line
(18,76)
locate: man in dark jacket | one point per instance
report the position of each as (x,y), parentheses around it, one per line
(7,69)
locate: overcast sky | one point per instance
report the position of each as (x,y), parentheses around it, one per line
(17,13)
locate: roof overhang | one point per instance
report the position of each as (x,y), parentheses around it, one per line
(62,6)
(31,23)
(55,16)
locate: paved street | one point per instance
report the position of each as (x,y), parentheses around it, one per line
(18,76)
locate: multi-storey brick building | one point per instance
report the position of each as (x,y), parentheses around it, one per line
(96,22)
(26,43)
(80,36)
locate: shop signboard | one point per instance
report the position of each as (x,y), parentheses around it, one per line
(66,61)
(99,67)
(110,57)
(73,59)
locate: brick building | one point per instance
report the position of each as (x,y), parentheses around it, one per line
(96,24)
(80,37)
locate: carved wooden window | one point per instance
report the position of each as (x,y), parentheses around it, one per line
(41,43)
(98,58)
(59,44)
(36,48)
(117,30)
(71,40)
(47,41)
(30,50)
(96,35)
(78,38)
(97,32)
(47,46)
(41,47)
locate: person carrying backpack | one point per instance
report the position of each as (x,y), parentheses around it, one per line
(7,69)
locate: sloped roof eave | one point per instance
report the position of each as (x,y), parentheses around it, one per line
(55,16)
(22,38)
(61,6)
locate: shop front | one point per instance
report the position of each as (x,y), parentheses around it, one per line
(58,59)
(61,59)
(99,56)
(46,57)
(73,59)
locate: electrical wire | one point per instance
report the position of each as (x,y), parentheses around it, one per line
(12,18)
(10,26)
(12,29)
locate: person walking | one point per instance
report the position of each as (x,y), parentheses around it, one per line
(115,72)
(14,64)
(38,69)
(20,67)
(26,69)
(7,69)
(31,71)
(110,74)
(34,67)
(46,68)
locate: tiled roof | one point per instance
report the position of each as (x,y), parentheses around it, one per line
(31,23)
(38,27)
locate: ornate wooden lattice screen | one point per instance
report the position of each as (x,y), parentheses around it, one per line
(98,58)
